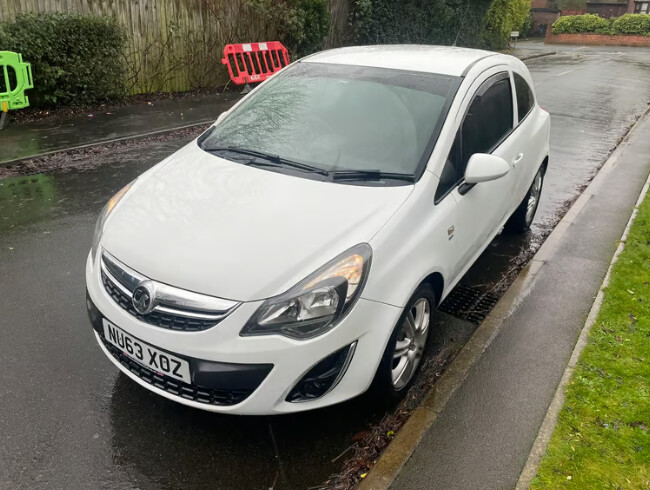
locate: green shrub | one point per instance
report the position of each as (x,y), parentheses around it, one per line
(632,24)
(301,25)
(503,17)
(574,24)
(316,25)
(76,59)
(475,23)
(528,25)
(4,38)
(417,21)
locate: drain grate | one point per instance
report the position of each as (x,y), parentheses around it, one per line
(469,303)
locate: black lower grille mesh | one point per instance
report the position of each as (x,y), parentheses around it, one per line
(469,303)
(172,322)
(178,388)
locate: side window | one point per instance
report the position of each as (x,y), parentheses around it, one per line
(487,122)
(525,99)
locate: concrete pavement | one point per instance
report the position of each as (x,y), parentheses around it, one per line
(54,134)
(482,436)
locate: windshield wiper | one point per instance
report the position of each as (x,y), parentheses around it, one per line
(370,175)
(275,160)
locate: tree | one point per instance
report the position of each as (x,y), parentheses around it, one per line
(503,17)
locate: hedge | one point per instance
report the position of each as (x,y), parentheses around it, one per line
(76,59)
(301,25)
(628,24)
(632,24)
(316,25)
(473,23)
(415,21)
(574,24)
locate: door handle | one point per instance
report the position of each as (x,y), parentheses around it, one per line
(517,160)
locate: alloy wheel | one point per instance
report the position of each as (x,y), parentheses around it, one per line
(533,198)
(410,343)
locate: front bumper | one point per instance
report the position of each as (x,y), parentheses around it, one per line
(248,375)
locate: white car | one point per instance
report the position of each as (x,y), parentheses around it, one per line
(291,257)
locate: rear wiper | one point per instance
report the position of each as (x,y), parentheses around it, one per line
(370,175)
(276,160)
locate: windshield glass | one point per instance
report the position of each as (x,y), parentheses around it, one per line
(340,118)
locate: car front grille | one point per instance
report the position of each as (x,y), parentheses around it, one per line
(178,388)
(170,307)
(164,320)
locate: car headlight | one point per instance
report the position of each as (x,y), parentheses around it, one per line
(99,227)
(318,302)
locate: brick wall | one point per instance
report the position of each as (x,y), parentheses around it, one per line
(574,12)
(539,4)
(597,39)
(607,10)
(543,19)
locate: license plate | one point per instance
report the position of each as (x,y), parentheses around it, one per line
(147,355)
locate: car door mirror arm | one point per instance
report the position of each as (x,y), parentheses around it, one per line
(464,188)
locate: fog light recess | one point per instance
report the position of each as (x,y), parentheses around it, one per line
(323,377)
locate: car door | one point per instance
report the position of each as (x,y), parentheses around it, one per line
(528,134)
(485,127)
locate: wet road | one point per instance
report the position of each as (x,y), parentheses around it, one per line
(69,420)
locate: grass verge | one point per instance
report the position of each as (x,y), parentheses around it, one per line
(602,438)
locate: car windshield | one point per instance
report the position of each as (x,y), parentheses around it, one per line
(338,120)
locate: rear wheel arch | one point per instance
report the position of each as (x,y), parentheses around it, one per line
(545,164)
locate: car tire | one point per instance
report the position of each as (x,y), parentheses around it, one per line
(403,355)
(523,217)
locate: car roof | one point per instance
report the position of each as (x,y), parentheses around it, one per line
(444,60)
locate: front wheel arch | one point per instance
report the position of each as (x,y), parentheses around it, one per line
(437,282)
(381,386)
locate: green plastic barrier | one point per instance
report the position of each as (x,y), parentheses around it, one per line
(14,96)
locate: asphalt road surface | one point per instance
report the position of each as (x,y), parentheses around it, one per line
(69,420)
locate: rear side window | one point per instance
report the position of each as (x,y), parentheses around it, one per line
(525,98)
(487,123)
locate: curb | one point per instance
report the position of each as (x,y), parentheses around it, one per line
(550,420)
(539,55)
(107,142)
(384,472)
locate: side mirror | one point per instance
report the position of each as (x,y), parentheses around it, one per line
(222,116)
(484,168)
